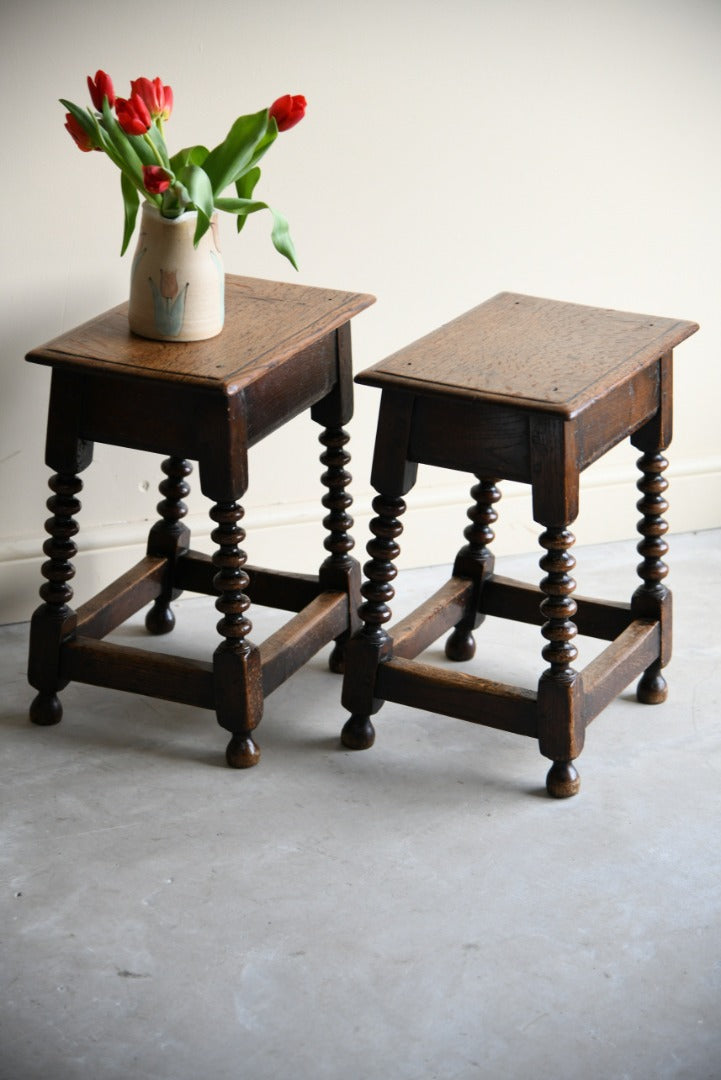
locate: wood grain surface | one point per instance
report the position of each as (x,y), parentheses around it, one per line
(527,351)
(267,322)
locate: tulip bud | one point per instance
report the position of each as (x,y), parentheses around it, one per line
(155,179)
(288,110)
(133,115)
(158,99)
(101,88)
(82,140)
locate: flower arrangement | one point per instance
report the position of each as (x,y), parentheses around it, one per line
(193,179)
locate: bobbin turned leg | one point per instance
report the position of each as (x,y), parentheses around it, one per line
(170,539)
(558,703)
(236,661)
(475,561)
(368,648)
(652,598)
(54,621)
(339,572)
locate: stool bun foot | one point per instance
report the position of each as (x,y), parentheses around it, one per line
(562,780)
(461,645)
(358,733)
(160,619)
(46,710)
(242,752)
(652,688)
(336,660)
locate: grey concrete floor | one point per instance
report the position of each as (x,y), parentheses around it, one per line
(421,910)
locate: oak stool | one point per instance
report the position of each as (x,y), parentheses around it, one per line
(284,349)
(528,390)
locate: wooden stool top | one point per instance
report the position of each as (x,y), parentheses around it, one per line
(541,355)
(266,323)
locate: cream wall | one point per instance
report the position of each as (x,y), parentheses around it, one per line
(451,150)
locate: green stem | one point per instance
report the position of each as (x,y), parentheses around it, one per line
(155,150)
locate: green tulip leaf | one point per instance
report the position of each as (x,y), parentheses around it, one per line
(83,117)
(126,149)
(191,155)
(201,228)
(245,187)
(131,202)
(156,137)
(198,176)
(200,190)
(240,206)
(142,148)
(281,238)
(265,143)
(280,234)
(227,162)
(175,200)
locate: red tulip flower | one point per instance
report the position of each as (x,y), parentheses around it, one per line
(133,115)
(101,88)
(130,131)
(78,132)
(158,99)
(288,110)
(156,179)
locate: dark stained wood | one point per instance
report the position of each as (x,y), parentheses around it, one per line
(554,471)
(336,408)
(391,472)
(54,621)
(129,593)
(455,693)
(531,390)
(475,561)
(494,434)
(655,435)
(285,349)
(266,588)
(236,661)
(169,538)
(509,599)
(285,651)
(558,605)
(432,618)
(339,573)
(532,354)
(139,671)
(267,324)
(618,665)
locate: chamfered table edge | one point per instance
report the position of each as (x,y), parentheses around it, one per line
(677,330)
(52,354)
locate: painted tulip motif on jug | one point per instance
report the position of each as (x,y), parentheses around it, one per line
(177,289)
(177,280)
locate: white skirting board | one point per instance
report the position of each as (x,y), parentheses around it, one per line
(291,537)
